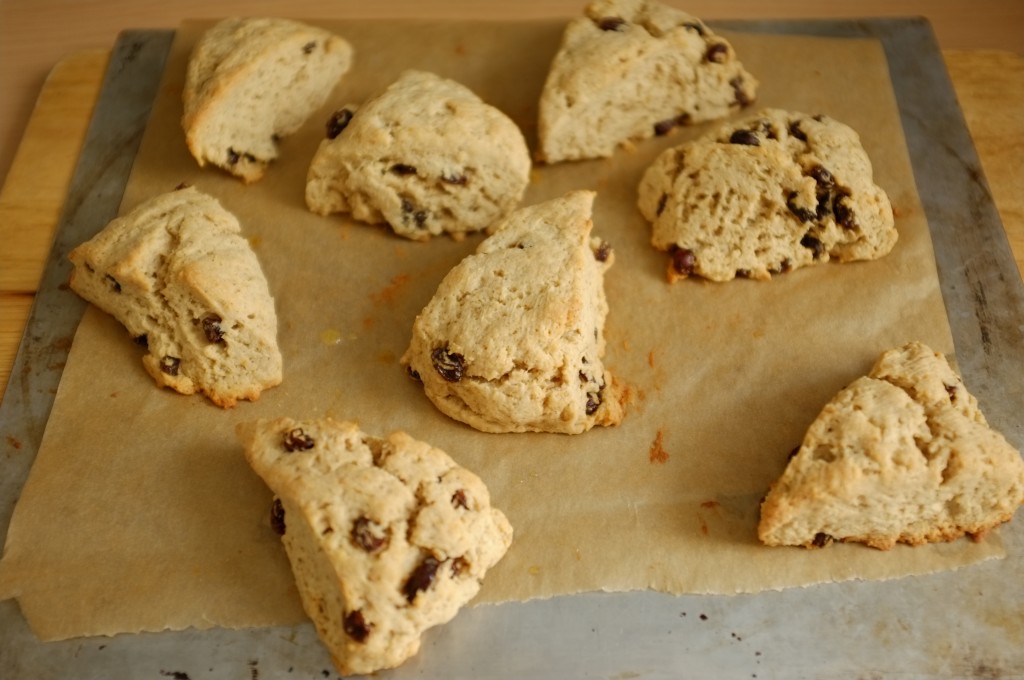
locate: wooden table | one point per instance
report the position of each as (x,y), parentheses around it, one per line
(983,45)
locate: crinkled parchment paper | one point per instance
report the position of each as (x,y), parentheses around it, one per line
(141,514)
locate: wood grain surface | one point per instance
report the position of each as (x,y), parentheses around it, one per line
(989,84)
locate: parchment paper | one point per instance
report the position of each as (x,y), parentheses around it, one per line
(141,514)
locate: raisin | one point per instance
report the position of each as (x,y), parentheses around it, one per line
(421,578)
(603,252)
(112,282)
(212,329)
(683,261)
(141,340)
(369,535)
(277,517)
(745,137)
(611,23)
(182,185)
(718,53)
(792,454)
(951,391)
(409,210)
(802,214)
(338,122)
(233,157)
(743,273)
(413,373)
(460,565)
(843,212)
(296,439)
(821,540)
(663,127)
(459,500)
(822,176)
(447,364)
(695,27)
(355,626)
(661,205)
(594,400)
(814,245)
(795,131)
(403,169)
(309,47)
(457,180)
(742,98)
(170,365)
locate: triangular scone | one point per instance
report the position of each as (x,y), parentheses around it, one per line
(902,455)
(426,155)
(513,339)
(387,537)
(766,195)
(177,272)
(631,69)
(252,81)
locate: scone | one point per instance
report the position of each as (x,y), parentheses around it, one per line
(253,81)
(513,339)
(426,156)
(631,69)
(769,194)
(177,272)
(387,537)
(902,455)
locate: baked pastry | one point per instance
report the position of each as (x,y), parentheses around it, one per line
(252,81)
(179,275)
(513,339)
(902,455)
(631,69)
(769,194)
(387,537)
(427,156)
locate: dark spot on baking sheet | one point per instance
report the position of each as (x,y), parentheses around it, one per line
(182,185)
(277,517)
(459,499)
(170,365)
(421,578)
(369,535)
(254,670)
(296,439)
(695,27)
(14,442)
(355,626)
(703,617)
(611,23)
(403,169)
(745,137)
(112,282)
(177,675)
(717,53)
(684,261)
(338,122)
(603,252)
(821,540)
(388,294)
(449,365)
(212,329)
(309,47)
(657,453)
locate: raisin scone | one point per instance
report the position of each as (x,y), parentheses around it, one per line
(178,274)
(632,69)
(902,455)
(250,82)
(387,537)
(426,156)
(766,195)
(513,339)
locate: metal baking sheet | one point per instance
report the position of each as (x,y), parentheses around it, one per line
(968,623)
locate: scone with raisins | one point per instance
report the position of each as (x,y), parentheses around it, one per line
(427,156)
(178,274)
(902,455)
(631,69)
(387,537)
(766,195)
(513,339)
(252,81)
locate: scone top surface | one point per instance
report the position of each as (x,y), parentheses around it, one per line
(251,81)
(386,536)
(771,193)
(178,274)
(426,155)
(630,69)
(902,455)
(513,339)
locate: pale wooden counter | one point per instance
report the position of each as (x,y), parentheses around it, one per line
(989,84)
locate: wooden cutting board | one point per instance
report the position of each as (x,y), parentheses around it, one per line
(989,85)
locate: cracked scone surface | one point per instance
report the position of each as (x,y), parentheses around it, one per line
(178,274)
(631,69)
(772,193)
(513,339)
(902,455)
(387,537)
(427,156)
(252,81)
